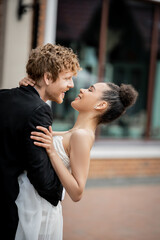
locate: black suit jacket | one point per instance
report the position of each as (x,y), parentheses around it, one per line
(21,110)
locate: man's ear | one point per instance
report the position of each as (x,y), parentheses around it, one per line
(47,78)
(101,106)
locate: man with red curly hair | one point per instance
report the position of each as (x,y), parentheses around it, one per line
(22,109)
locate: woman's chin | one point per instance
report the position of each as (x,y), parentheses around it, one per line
(73,105)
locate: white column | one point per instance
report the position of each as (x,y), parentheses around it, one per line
(51,21)
(17,42)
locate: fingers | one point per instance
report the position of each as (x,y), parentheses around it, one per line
(43,129)
(27,81)
(50,129)
(23,82)
(42,137)
(40,134)
(39,144)
(43,140)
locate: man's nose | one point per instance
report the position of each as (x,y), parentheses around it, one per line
(71,84)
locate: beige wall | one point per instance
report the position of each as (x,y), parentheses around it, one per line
(17,44)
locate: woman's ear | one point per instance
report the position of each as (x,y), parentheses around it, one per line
(101,106)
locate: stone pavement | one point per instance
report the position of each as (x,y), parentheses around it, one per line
(120,209)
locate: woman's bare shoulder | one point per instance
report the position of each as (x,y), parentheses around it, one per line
(82,136)
(80,133)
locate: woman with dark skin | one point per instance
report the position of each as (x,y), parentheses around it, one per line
(100,103)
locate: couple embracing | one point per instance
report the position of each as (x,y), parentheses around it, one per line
(38,165)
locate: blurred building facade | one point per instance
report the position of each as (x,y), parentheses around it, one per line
(116,41)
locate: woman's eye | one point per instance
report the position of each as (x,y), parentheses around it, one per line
(89,90)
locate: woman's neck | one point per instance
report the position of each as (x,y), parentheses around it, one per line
(85,121)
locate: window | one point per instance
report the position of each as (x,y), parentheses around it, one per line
(128,60)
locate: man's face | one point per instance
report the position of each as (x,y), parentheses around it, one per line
(56,90)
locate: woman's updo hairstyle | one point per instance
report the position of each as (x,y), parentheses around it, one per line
(119,99)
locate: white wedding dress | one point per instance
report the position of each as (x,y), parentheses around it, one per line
(38,219)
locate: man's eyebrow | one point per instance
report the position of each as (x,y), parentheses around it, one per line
(92,86)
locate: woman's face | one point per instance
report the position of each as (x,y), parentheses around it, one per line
(89,98)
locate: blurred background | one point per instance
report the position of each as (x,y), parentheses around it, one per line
(116,41)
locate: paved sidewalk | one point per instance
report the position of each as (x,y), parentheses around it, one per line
(114,212)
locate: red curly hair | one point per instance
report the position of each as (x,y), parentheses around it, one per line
(51,59)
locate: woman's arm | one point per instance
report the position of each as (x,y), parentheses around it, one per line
(73,182)
(80,146)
